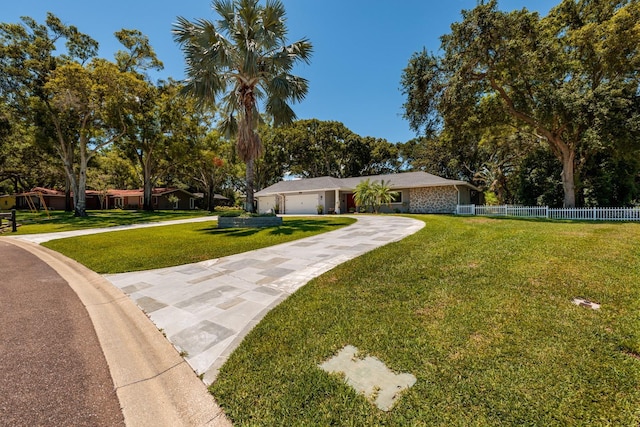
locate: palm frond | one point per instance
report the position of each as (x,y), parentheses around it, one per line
(240,61)
(273,30)
(226,9)
(281,112)
(228,126)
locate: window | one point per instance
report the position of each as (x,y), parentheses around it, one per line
(192,203)
(397,198)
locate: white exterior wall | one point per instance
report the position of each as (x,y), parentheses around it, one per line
(266,203)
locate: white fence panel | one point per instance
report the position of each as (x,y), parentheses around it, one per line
(580,214)
(466,210)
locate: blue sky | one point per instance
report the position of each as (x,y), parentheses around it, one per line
(360,46)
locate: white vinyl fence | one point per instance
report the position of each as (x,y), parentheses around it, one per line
(585,214)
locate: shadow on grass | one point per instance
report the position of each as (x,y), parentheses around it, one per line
(289,227)
(231,232)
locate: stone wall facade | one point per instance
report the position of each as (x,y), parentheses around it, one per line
(249,222)
(433,199)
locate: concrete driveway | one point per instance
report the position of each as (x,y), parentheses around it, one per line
(206,309)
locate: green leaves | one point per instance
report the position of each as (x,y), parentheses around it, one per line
(372,195)
(556,77)
(139,55)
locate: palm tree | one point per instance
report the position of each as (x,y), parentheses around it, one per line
(373,194)
(383,194)
(363,194)
(243,61)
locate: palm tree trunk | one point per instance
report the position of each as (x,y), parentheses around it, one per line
(249,206)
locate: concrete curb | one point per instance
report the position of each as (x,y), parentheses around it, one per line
(155,386)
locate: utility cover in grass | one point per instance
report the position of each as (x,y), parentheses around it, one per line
(586,303)
(369,376)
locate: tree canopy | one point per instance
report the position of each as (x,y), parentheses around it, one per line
(533,109)
(569,79)
(75,101)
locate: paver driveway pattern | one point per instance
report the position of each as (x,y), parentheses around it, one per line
(206,309)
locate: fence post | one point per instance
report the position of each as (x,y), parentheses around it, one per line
(14,226)
(473,210)
(594,213)
(546,211)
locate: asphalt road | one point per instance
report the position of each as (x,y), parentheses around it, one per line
(52,369)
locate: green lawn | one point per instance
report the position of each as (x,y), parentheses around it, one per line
(146,248)
(36,223)
(479,310)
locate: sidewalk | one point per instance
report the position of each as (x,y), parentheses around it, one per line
(45,237)
(206,309)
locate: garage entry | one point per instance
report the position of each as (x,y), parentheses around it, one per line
(266,204)
(301,204)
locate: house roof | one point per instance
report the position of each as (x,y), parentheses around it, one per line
(140,192)
(43,191)
(300,185)
(112,193)
(395,181)
(216,196)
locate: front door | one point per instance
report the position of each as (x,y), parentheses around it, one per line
(351,204)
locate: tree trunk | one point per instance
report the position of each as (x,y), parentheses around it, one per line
(70,185)
(568,179)
(147,197)
(68,203)
(80,196)
(209,190)
(249,206)
(71,177)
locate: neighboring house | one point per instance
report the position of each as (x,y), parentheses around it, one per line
(7,202)
(218,200)
(109,199)
(417,192)
(40,197)
(160,197)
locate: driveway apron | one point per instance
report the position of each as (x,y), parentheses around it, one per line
(206,309)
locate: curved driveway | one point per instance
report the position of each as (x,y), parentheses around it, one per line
(206,309)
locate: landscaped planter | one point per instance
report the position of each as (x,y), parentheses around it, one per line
(249,222)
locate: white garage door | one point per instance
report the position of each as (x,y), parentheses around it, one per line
(266,204)
(301,204)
